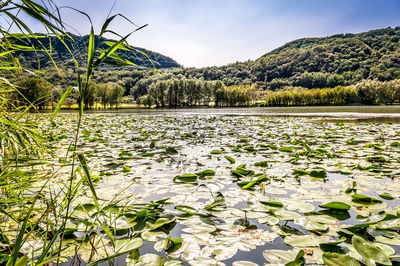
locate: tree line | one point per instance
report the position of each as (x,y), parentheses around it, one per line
(369,92)
(164,91)
(194,92)
(40,93)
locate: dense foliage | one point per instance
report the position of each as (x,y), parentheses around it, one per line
(78,44)
(365,92)
(339,60)
(193,92)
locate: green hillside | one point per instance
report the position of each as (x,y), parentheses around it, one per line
(341,59)
(62,57)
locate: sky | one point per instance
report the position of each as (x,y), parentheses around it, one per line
(199,33)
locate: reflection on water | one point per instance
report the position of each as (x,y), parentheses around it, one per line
(376,114)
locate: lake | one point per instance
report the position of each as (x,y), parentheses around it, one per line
(234,186)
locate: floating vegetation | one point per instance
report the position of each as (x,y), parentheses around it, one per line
(260,190)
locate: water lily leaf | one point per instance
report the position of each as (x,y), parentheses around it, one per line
(376,159)
(243,263)
(298,260)
(300,206)
(171,150)
(270,220)
(370,253)
(150,259)
(126,169)
(334,259)
(216,152)
(122,245)
(261,164)
(300,172)
(364,199)
(388,222)
(241,171)
(336,205)
(219,200)
(173,245)
(338,214)
(286,215)
(310,224)
(173,263)
(148,154)
(389,251)
(223,253)
(272,203)
(321,218)
(250,184)
(186,178)
(390,241)
(211,220)
(230,159)
(395,144)
(186,209)
(207,172)
(319,173)
(161,222)
(277,256)
(153,236)
(387,196)
(303,241)
(333,246)
(285,149)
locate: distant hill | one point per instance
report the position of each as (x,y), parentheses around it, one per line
(317,62)
(341,59)
(61,55)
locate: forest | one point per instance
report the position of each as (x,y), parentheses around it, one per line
(310,63)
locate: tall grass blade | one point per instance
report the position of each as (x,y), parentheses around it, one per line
(61,102)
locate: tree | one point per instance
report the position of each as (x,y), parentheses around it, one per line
(116,93)
(103,93)
(37,91)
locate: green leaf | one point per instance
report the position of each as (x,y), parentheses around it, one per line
(334,259)
(22,261)
(161,222)
(173,245)
(230,159)
(336,205)
(150,259)
(126,169)
(370,253)
(61,102)
(364,199)
(285,149)
(123,245)
(90,53)
(303,241)
(218,200)
(261,164)
(320,173)
(272,203)
(387,196)
(207,172)
(186,178)
(300,172)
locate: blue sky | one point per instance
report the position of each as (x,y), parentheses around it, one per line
(216,32)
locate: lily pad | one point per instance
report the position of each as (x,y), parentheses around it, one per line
(336,205)
(370,253)
(334,259)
